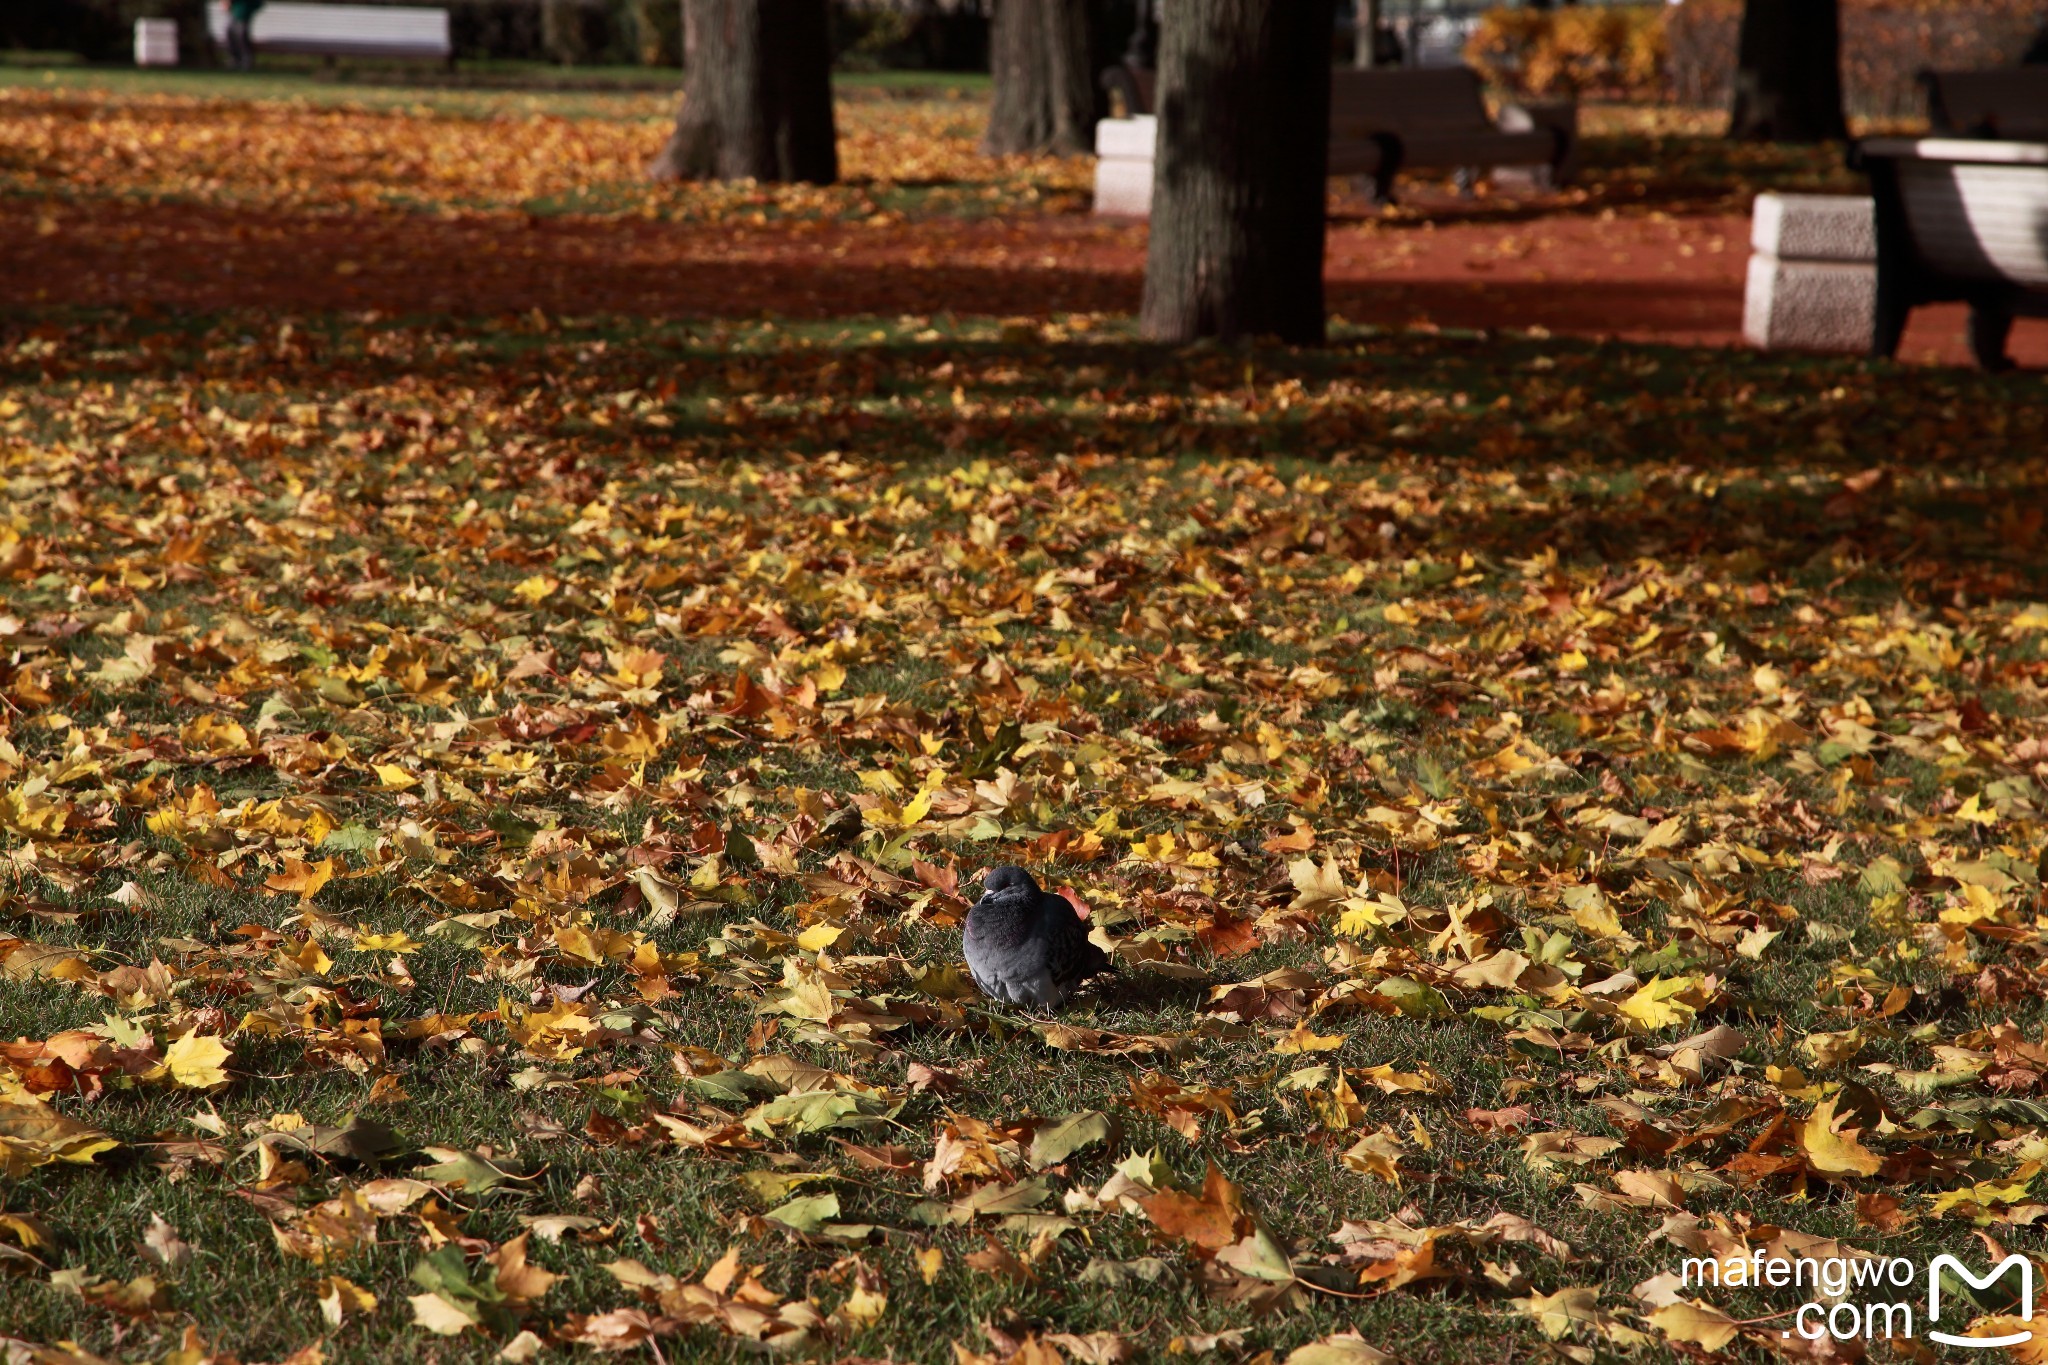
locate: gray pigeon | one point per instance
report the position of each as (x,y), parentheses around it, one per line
(1027,946)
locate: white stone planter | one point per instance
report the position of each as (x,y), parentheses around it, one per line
(1812,273)
(1124,150)
(156,42)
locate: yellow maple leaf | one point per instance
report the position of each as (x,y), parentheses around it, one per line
(1695,1323)
(1654,1005)
(197,1061)
(340,1297)
(33,1134)
(440,1316)
(1393,1082)
(1830,1149)
(1302,1039)
(1558,1314)
(820,936)
(1315,885)
(1377,1154)
(398,941)
(210,734)
(27,812)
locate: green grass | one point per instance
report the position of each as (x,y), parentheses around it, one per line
(578,91)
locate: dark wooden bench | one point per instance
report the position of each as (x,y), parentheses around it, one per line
(1388,120)
(1383,122)
(1959,219)
(2004,102)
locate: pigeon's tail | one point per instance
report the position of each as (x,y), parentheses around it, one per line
(1095,962)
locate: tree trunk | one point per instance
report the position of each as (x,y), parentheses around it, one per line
(1365,35)
(1044,94)
(757,94)
(1788,73)
(561,31)
(1238,185)
(658,32)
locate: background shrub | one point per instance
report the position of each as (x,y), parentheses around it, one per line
(1685,53)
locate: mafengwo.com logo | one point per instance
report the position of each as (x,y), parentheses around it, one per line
(1870,1297)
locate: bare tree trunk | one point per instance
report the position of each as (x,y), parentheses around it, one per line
(1238,190)
(757,94)
(1044,96)
(1365,45)
(1788,73)
(561,31)
(658,32)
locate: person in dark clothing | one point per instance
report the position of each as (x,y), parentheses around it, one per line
(241,13)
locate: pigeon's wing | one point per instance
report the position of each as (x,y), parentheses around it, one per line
(1008,954)
(1073,957)
(1026,976)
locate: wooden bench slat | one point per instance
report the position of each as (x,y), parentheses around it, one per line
(1959,218)
(1976,151)
(1437,118)
(1980,222)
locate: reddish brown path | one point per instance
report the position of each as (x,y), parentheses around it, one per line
(1638,277)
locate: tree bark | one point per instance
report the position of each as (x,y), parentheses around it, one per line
(658,32)
(1365,35)
(1044,94)
(757,94)
(1788,73)
(1238,185)
(561,31)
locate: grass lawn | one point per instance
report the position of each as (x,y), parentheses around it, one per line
(487,803)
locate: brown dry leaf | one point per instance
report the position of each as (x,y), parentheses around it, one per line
(1340,1348)
(1209,1222)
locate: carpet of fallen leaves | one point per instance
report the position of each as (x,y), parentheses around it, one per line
(487,805)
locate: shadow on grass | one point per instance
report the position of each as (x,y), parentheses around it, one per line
(1606,453)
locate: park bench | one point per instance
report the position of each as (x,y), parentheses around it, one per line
(342,30)
(1381,122)
(2006,102)
(1434,118)
(1959,218)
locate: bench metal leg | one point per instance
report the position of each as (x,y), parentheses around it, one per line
(1890,323)
(1990,326)
(1390,164)
(1378,188)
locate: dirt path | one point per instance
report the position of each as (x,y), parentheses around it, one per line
(1646,277)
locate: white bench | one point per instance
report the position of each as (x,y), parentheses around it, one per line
(1812,273)
(342,30)
(1959,218)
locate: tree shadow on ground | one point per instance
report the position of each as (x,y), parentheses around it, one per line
(1436,446)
